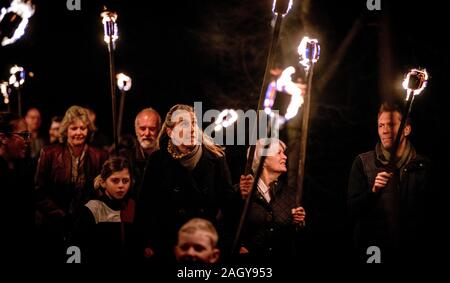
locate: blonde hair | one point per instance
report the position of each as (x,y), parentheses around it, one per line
(260,148)
(200,224)
(74,113)
(207,142)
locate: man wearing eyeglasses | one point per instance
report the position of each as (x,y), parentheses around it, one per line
(17,197)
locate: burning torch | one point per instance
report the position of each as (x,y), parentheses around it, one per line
(280,9)
(14,20)
(285,85)
(309,51)
(225,119)
(110,36)
(124,85)
(415,82)
(17,79)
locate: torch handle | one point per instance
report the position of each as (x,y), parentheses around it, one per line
(113,91)
(121,108)
(253,189)
(269,63)
(19,101)
(248,200)
(405,116)
(304,135)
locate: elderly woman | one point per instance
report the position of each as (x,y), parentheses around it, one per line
(187,177)
(66,171)
(273,219)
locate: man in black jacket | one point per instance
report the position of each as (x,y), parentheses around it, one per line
(388,204)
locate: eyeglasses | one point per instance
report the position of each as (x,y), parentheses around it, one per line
(24,135)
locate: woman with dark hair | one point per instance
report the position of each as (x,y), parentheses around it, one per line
(14,139)
(103,229)
(17,197)
(64,178)
(187,177)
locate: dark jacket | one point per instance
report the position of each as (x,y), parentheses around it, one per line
(17,210)
(53,179)
(393,219)
(104,231)
(269,234)
(171,195)
(138,161)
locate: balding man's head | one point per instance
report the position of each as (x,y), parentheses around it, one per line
(147,125)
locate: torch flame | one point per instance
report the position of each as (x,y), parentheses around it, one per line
(415,82)
(17,77)
(4,90)
(284,84)
(281,7)
(270,97)
(225,119)
(309,51)
(23,9)
(123,82)
(110,26)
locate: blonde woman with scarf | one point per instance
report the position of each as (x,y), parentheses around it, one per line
(186,178)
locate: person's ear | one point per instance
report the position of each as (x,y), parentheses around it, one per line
(102,183)
(407,130)
(169,131)
(215,256)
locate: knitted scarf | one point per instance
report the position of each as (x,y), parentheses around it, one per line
(189,159)
(383,155)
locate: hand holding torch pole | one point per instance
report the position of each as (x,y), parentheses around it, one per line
(280,8)
(414,83)
(110,36)
(309,51)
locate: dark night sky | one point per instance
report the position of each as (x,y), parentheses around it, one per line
(214,51)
